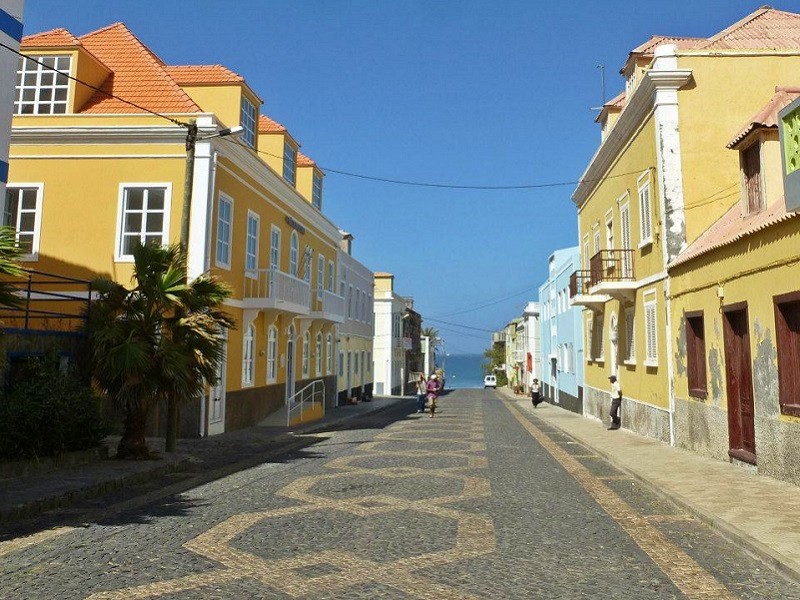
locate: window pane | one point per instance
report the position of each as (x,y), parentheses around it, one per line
(26,242)
(29,199)
(155,222)
(48,61)
(27,221)
(129,243)
(153,239)
(48,79)
(133,223)
(135,198)
(61,94)
(46,95)
(29,95)
(155,199)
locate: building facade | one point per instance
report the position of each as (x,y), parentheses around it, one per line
(10,35)
(532,332)
(389,352)
(355,334)
(661,177)
(111,165)
(562,334)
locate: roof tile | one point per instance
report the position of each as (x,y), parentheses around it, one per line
(767,116)
(304,161)
(55,37)
(267,125)
(208,74)
(763,28)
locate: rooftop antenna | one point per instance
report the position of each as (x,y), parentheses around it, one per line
(602,87)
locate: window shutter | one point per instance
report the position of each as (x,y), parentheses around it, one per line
(650,323)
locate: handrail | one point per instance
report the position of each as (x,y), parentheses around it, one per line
(274,284)
(297,403)
(611,265)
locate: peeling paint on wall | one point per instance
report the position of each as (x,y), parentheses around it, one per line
(765,373)
(715,368)
(680,347)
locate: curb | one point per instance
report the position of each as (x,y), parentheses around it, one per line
(762,552)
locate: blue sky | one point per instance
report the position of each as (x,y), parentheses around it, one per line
(487,93)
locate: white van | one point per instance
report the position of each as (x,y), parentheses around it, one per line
(490,381)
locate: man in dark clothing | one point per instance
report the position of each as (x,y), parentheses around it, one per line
(616,402)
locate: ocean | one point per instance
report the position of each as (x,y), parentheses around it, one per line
(464,371)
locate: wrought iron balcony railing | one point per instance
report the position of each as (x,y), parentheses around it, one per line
(611,265)
(579,283)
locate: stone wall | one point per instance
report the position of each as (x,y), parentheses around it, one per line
(640,418)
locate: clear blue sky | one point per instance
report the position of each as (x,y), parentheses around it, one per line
(469,93)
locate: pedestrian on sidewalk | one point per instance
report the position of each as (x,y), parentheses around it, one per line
(616,402)
(432,389)
(422,390)
(535,393)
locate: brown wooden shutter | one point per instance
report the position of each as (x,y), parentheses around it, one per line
(751,162)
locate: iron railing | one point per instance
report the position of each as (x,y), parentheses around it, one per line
(330,303)
(47,301)
(309,399)
(611,265)
(278,286)
(579,283)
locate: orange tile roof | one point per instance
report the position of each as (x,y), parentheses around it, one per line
(138,75)
(267,125)
(207,74)
(761,29)
(767,116)
(55,37)
(304,161)
(656,40)
(733,226)
(382,274)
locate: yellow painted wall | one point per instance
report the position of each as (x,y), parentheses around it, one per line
(741,268)
(88,70)
(271,147)
(725,93)
(225,101)
(355,345)
(383,285)
(305,182)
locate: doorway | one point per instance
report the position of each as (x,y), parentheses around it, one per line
(216,398)
(739,379)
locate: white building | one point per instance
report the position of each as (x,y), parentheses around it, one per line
(355,335)
(389,352)
(531,346)
(10,35)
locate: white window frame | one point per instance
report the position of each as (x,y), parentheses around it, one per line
(320,275)
(650,328)
(331,277)
(645,190)
(586,256)
(316,191)
(294,253)
(275,247)
(318,350)
(369,361)
(341,363)
(28,66)
(289,165)
(33,255)
(248,122)
(630,336)
(252,272)
(329,354)
(217,260)
(248,355)
(306,365)
(308,260)
(167,186)
(589,354)
(272,354)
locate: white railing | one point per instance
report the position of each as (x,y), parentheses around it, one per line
(332,304)
(276,285)
(309,399)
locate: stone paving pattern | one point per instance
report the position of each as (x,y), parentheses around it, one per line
(483,501)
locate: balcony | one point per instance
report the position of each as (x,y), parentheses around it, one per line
(328,307)
(611,273)
(274,289)
(579,284)
(499,337)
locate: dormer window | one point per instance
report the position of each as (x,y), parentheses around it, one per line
(751,173)
(42,85)
(289,162)
(316,192)
(248,122)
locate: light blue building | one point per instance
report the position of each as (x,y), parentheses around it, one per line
(561,334)
(10,35)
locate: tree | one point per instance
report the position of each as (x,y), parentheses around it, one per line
(434,341)
(495,358)
(9,267)
(159,339)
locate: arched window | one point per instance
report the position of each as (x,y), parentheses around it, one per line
(306,344)
(318,357)
(272,352)
(294,244)
(329,355)
(247,355)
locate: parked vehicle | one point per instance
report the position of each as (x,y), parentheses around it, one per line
(490,381)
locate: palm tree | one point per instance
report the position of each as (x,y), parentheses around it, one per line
(159,339)
(9,253)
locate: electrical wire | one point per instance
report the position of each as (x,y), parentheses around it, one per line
(488,303)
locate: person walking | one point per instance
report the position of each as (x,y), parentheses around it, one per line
(422,390)
(432,389)
(536,397)
(616,403)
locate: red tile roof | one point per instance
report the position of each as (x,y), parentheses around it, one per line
(681,42)
(304,161)
(138,75)
(733,226)
(767,116)
(59,37)
(765,28)
(267,125)
(207,74)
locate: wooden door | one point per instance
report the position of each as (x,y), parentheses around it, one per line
(739,375)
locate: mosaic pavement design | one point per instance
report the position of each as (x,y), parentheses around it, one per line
(456,438)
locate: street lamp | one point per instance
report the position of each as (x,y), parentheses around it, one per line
(188,182)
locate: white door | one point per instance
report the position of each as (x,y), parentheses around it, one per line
(290,364)
(216,400)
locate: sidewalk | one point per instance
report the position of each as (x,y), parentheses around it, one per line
(26,497)
(757,512)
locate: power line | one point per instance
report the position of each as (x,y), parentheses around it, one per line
(487,304)
(458,325)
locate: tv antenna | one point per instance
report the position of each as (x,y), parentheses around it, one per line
(602,69)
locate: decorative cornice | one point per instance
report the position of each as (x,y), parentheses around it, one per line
(131,134)
(639,105)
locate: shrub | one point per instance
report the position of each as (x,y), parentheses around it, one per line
(49,412)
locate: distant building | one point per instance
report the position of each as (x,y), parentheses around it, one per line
(412,344)
(531,346)
(10,35)
(562,335)
(389,353)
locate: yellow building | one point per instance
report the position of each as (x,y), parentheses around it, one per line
(660,178)
(99,163)
(735,308)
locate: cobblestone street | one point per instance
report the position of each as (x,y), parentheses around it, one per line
(482,501)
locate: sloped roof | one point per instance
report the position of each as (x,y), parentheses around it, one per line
(733,226)
(58,37)
(681,42)
(768,115)
(267,125)
(304,161)
(207,74)
(763,28)
(137,75)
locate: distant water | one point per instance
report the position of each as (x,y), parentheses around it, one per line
(464,371)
